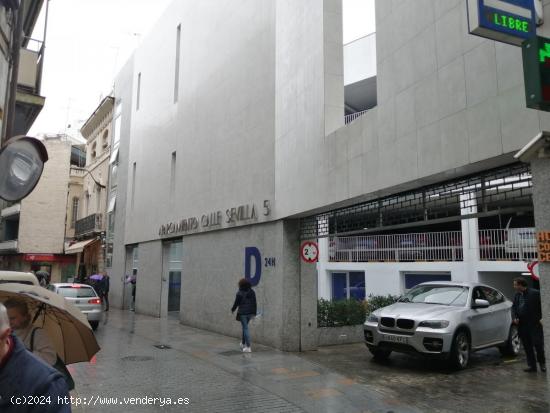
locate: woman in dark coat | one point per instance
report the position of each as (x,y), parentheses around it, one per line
(245,301)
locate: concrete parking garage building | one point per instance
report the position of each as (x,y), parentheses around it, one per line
(234,147)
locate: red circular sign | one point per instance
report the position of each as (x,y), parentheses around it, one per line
(532,267)
(309,251)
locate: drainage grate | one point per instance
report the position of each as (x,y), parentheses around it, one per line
(162,346)
(137,358)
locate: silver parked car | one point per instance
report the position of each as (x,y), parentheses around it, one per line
(448,320)
(83,297)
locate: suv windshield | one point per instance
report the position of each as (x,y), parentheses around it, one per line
(437,294)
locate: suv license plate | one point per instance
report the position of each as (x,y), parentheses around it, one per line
(396,339)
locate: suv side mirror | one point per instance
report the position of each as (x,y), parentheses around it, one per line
(481,303)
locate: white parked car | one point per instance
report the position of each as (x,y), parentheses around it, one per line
(84,297)
(18,277)
(447,320)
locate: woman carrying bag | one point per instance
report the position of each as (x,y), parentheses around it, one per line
(245,301)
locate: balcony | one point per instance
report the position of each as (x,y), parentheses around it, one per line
(90,225)
(512,244)
(8,246)
(77,172)
(29,103)
(11,211)
(430,246)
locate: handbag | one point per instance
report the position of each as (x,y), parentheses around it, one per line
(59,365)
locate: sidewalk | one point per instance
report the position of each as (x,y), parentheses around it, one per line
(211,372)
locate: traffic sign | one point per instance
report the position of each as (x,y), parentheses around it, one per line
(309,251)
(507,21)
(533,268)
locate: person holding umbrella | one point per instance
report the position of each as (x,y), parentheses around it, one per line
(65,325)
(23,375)
(34,338)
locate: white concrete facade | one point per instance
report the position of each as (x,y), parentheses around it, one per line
(250,109)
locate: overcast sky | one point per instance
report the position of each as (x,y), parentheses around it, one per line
(88,41)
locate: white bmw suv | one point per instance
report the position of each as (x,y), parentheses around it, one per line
(447,320)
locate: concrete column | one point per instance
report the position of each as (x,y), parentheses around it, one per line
(470,234)
(540,169)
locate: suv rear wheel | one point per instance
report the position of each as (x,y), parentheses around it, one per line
(460,350)
(511,347)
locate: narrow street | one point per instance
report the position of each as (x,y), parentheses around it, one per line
(209,370)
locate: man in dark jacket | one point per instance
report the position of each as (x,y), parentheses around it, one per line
(245,301)
(527,315)
(105,285)
(27,385)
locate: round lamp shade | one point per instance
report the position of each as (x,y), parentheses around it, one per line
(21,164)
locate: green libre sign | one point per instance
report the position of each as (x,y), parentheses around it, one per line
(536,72)
(508,21)
(513,23)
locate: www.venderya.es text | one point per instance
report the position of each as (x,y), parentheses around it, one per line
(128,401)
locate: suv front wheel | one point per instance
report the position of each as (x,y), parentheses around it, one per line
(460,350)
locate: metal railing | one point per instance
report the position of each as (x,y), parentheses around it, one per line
(78,172)
(351,117)
(89,225)
(513,244)
(428,246)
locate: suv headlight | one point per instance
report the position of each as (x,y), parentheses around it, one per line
(372,319)
(434,324)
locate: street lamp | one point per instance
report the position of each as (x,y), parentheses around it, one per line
(87,172)
(22,161)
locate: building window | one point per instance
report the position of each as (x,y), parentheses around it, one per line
(177,66)
(133,185)
(346,285)
(105,138)
(94,151)
(413,279)
(173,176)
(118,118)
(87,201)
(74,214)
(114,175)
(138,95)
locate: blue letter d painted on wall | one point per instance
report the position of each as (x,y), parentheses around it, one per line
(249,254)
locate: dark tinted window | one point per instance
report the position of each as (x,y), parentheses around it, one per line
(77,292)
(493,296)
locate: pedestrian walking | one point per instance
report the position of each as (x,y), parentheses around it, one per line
(25,377)
(105,285)
(245,301)
(527,315)
(131,279)
(33,338)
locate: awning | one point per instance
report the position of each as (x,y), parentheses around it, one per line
(78,246)
(112,203)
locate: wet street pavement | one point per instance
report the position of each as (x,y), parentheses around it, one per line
(152,365)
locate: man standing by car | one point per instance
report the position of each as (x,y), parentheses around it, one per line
(527,315)
(24,376)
